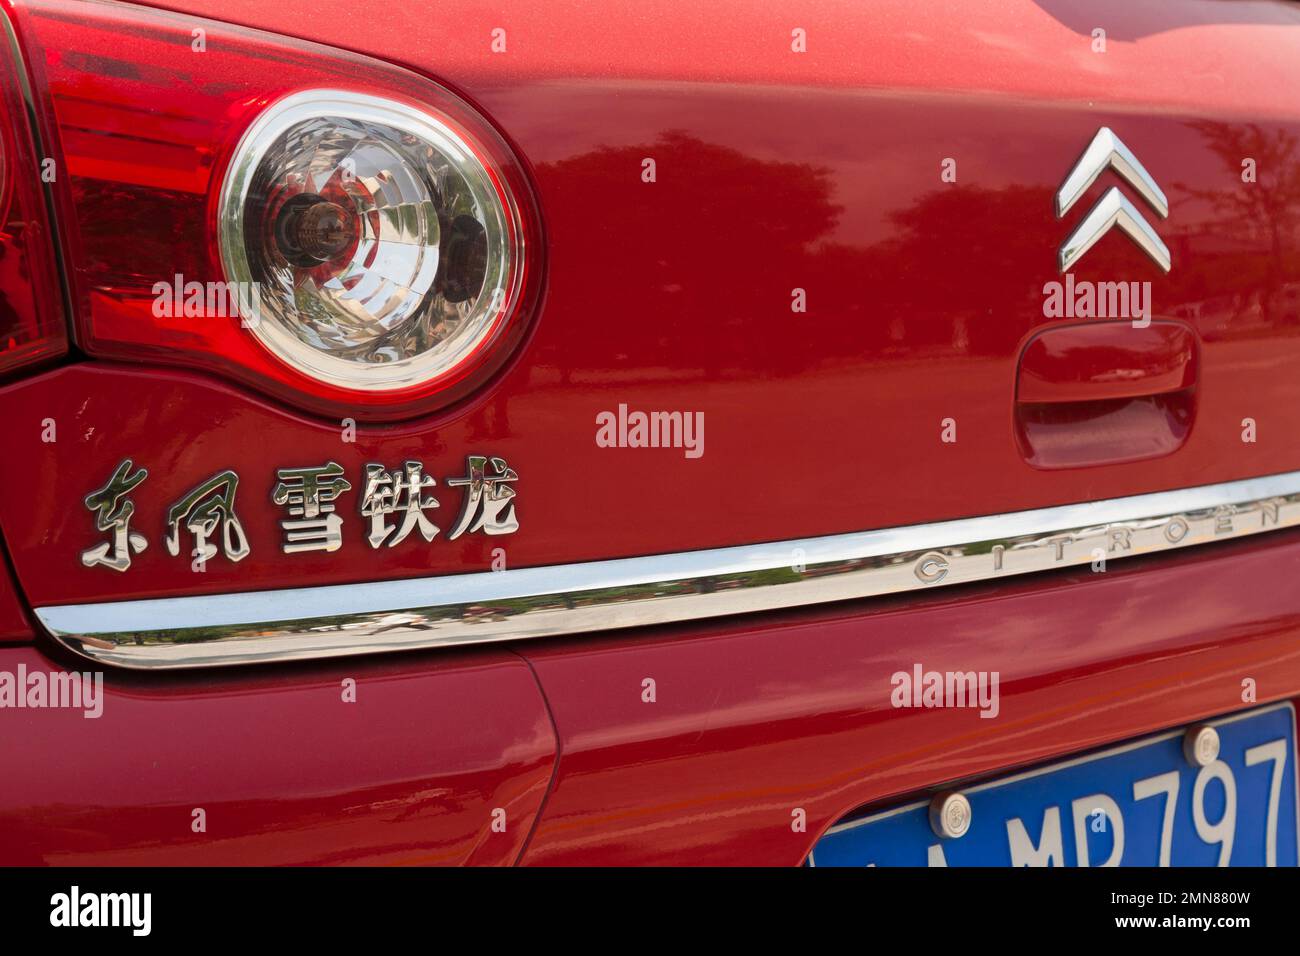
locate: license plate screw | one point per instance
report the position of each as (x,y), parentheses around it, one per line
(1201,745)
(950,815)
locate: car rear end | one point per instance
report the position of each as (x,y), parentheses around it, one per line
(727,437)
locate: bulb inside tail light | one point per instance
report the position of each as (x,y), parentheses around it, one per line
(339,232)
(374,245)
(31,312)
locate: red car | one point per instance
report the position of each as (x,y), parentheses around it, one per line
(710,434)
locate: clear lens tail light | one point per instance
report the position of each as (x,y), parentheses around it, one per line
(375,247)
(32,326)
(344,234)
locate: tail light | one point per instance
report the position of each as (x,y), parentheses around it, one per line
(32,327)
(375,246)
(342,233)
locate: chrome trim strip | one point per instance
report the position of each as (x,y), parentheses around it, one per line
(379,616)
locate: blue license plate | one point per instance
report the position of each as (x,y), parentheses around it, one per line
(1141,804)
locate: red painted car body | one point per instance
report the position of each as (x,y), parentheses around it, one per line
(776,171)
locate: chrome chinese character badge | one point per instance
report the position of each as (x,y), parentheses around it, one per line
(113,512)
(399,503)
(310,495)
(203,510)
(489,503)
(391,492)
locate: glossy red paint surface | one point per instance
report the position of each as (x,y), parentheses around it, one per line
(753,720)
(286,771)
(14,625)
(775,171)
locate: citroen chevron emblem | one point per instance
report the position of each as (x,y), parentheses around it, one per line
(1106,151)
